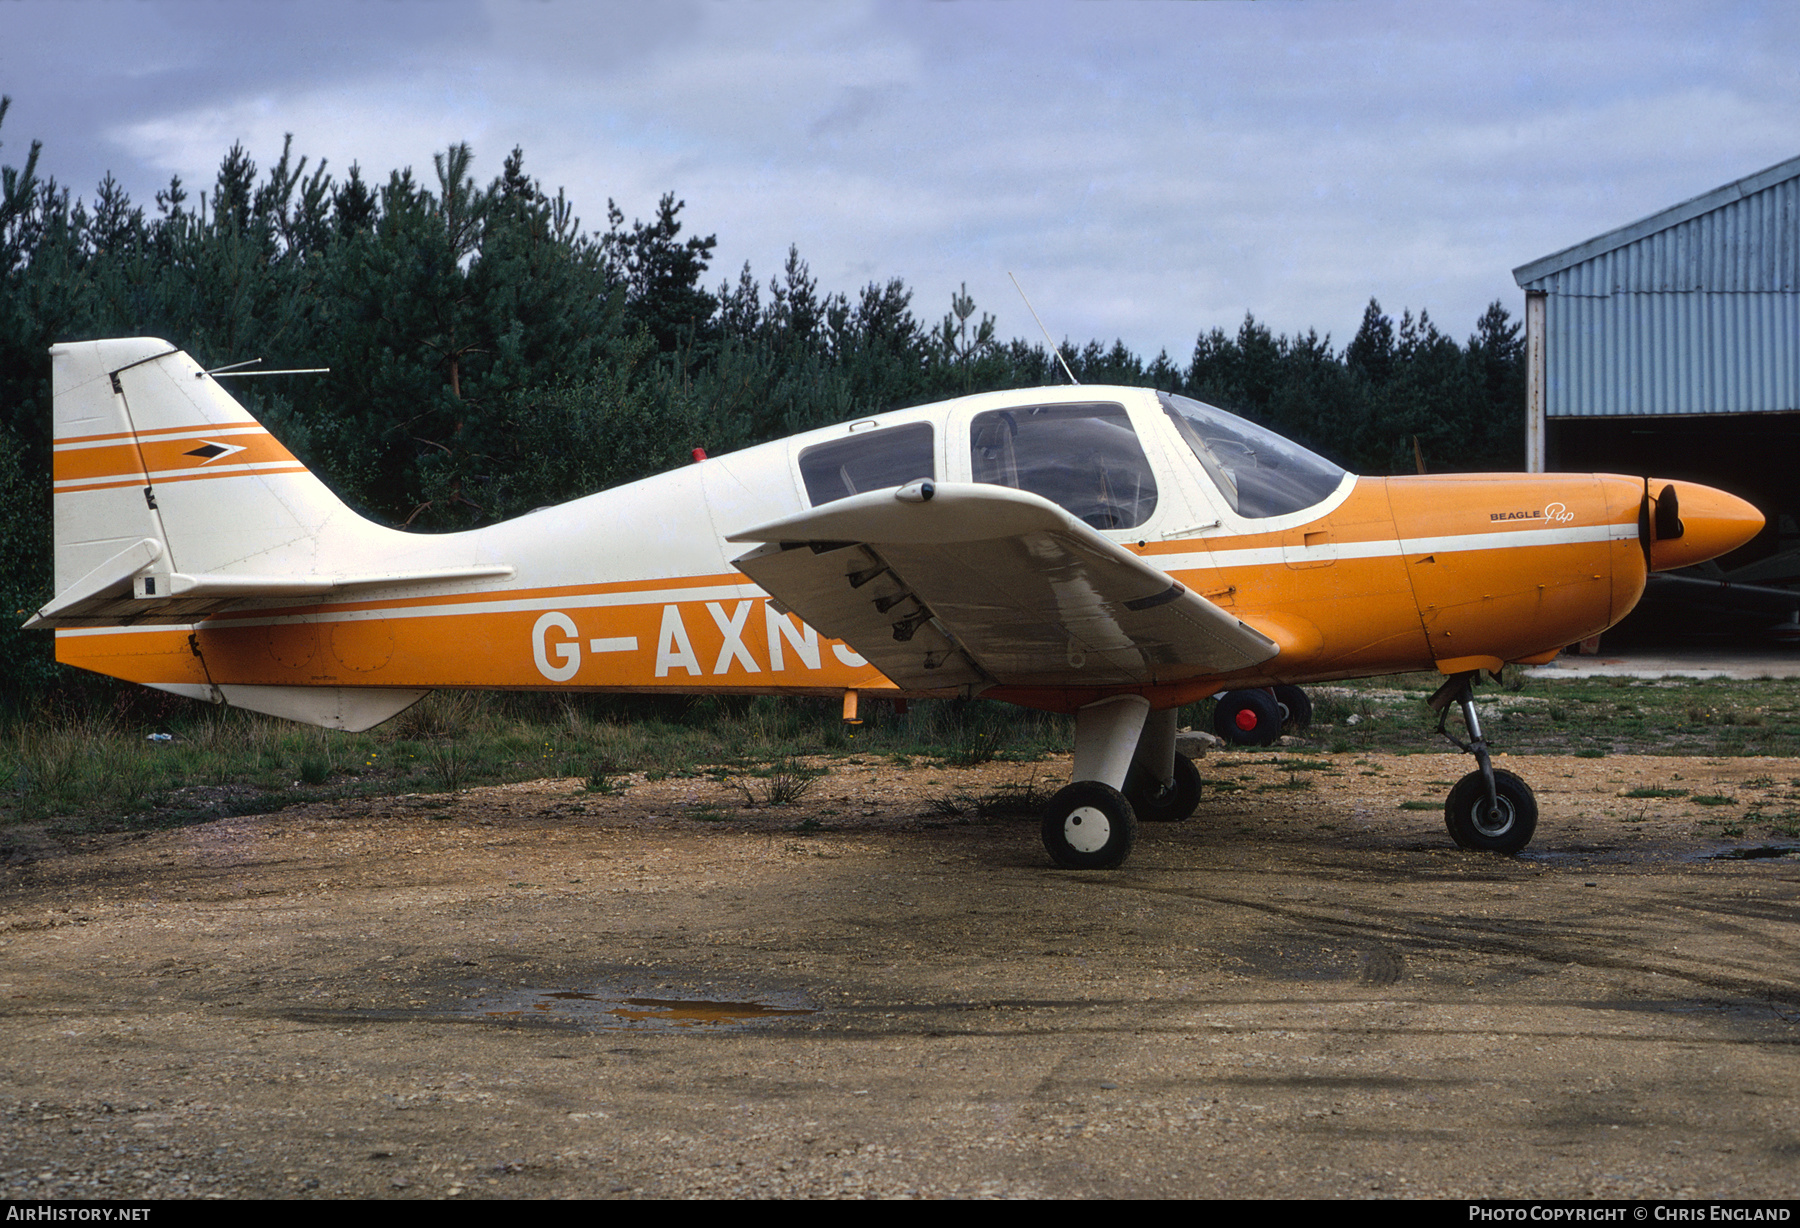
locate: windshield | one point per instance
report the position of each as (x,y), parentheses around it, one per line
(1257,471)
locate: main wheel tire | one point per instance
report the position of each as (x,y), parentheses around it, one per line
(1154,802)
(1472,827)
(1296,708)
(1089,826)
(1247,718)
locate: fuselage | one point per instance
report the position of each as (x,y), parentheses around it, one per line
(634,589)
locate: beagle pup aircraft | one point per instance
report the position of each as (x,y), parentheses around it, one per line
(1108,552)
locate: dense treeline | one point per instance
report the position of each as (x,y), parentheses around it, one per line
(489,353)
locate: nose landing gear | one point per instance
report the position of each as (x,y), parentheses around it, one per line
(1489,809)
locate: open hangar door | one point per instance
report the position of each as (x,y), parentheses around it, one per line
(1749,595)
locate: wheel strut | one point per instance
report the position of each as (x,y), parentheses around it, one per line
(1460,690)
(1489,810)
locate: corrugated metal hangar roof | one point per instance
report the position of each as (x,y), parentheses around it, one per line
(1693,310)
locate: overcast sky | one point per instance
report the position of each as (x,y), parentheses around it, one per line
(1149,171)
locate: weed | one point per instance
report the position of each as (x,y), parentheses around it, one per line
(315,769)
(1652,791)
(1590,752)
(441,714)
(1008,801)
(1712,799)
(448,765)
(1421,805)
(973,751)
(786,783)
(603,776)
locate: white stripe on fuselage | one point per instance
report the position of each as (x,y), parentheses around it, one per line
(1270,556)
(1262,556)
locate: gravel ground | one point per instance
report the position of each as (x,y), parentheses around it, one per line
(533,990)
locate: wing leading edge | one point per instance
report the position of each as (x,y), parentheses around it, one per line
(941,585)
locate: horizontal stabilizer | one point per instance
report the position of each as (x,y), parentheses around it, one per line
(118,594)
(98,585)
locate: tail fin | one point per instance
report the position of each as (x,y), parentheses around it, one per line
(172,502)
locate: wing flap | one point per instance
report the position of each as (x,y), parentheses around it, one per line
(989,583)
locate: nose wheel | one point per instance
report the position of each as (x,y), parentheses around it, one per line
(1490,809)
(1503,825)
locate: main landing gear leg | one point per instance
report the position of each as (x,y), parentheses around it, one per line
(1090,825)
(1162,786)
(1489,809)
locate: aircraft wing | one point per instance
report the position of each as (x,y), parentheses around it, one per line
(941,584)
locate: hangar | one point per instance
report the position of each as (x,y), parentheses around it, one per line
(1671,347)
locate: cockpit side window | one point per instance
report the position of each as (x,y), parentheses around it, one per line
(1257,472)
(1086,459)
(875,460)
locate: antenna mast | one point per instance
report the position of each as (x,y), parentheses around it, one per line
(1063,362)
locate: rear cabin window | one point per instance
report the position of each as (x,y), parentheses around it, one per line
(1086,459)
(871,460)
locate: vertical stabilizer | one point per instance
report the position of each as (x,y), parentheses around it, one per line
(172,502)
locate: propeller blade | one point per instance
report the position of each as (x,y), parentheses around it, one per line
(1668,524)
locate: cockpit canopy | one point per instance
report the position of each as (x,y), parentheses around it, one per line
(1258,473)
(1084,456)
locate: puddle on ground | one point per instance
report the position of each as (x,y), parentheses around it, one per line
(616,1011)
(1754,852)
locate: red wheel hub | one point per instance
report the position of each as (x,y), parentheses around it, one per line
(1245,719)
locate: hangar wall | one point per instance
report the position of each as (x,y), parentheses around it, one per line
(1671,346)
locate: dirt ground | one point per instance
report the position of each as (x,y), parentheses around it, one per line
(533,990)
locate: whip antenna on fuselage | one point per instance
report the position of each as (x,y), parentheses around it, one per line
(1040,323)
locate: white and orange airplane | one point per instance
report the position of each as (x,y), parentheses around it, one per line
(1109,552)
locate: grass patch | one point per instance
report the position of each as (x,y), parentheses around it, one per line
(1421,805)
(82,760)
(89,765)
(1655,791)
